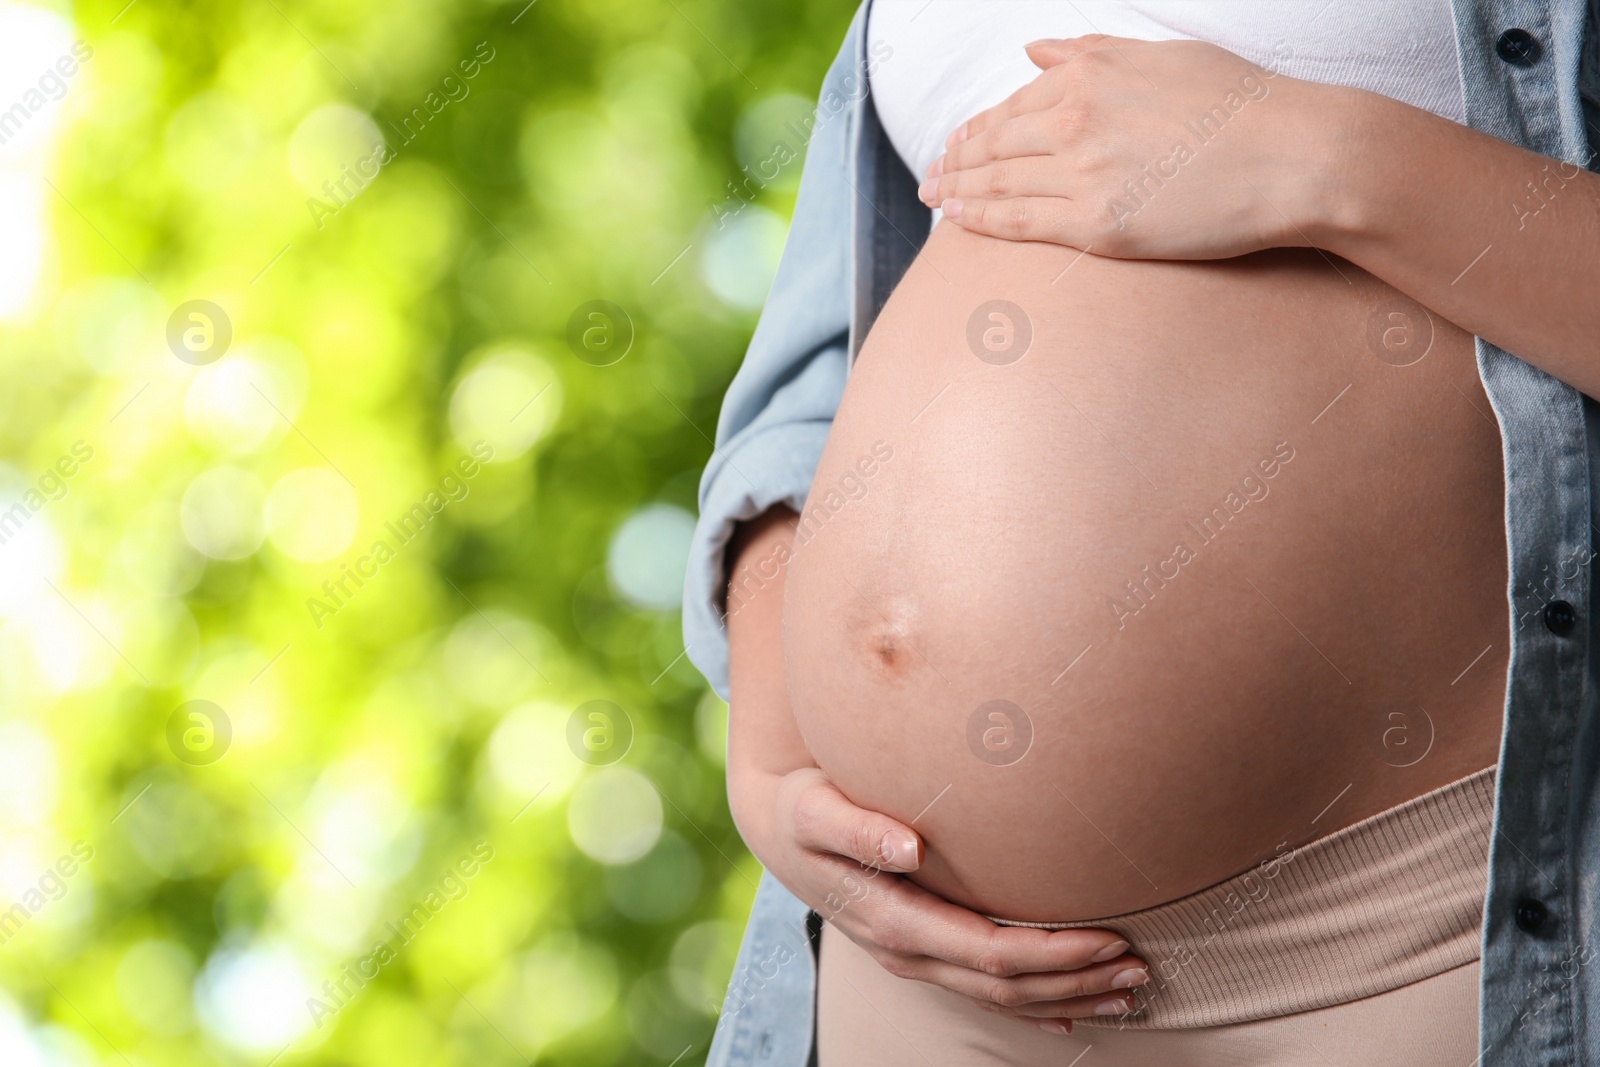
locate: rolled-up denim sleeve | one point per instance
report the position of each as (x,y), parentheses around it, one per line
(778,410)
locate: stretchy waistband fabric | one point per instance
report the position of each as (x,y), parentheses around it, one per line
(1388,901)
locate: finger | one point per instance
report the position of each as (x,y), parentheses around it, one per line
(1037,95)
(1080,1007)
(826,821)
(1034,133)
(1018,218)
(1062,994)
(1042,92)
(910,921)
(1061,1013)
(1054,51)
(1037,176)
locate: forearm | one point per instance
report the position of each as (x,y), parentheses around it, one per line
(1497,239)
(764,743)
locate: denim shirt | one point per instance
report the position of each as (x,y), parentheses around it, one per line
(858,225)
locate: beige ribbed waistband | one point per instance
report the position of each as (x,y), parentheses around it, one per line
(1391,900)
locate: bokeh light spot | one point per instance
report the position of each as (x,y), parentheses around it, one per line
(242,403)
(222,513)
(253,999)
(771,137)
(649,554)
(614,815)
(210,140)
(702,958)
(528,750)
(312,514)
(153,981)
(335,151)
(509,399)
(741,257)
(567,982)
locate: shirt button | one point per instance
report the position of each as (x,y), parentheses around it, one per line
(1531,915)
(1519,48)
(1560,617)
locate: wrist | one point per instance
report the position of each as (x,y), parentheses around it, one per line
(1335,168)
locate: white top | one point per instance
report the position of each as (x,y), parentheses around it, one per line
(950,59)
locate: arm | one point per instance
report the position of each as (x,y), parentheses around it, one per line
(836,857)
(1499,240)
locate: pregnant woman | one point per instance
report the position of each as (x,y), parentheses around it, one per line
(1152,576)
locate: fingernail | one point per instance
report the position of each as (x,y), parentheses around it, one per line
(899,849)
(1111,1006)
(937,168)
(927,191)
(1110,952)
(1055,1028)
(951,209)
(960,134)
(1129,978)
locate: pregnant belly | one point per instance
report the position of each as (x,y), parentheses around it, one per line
(1128,582)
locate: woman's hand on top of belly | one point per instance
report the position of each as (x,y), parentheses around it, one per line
(840,860)
(1118,147)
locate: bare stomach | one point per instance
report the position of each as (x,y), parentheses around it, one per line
(1213,569)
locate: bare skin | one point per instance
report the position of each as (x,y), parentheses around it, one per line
(1331,642)
(848,863)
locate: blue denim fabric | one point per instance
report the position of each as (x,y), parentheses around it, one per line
(858,225)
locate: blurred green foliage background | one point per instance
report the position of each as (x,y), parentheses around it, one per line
(396,830)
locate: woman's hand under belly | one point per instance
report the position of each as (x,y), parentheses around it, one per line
(1201,575)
